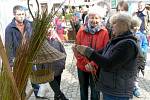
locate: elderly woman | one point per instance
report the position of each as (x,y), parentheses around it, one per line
(93,35)
(117,60)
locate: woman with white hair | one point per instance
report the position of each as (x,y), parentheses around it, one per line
(93,35)
(117,60)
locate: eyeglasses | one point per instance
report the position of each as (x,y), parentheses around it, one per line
(20,14)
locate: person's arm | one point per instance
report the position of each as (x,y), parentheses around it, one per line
(122,53)
(144,45)
(9,46)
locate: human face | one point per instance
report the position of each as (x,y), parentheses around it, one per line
(120,9)
(141,6)
(94,20)
(19,16)
(119,27)
(115,28)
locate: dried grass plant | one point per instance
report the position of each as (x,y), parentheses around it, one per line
(13,85)
(8,88)
(28,49)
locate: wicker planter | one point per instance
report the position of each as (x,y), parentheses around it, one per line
(47,54)
(42,76)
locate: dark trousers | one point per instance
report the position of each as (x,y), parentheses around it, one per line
(55,85)
(86,80)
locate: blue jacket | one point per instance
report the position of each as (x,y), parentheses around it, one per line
(143,43)
(13,38)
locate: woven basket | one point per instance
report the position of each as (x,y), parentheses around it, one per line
(47,54)
(42,76)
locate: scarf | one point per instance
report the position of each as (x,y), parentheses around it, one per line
(90,29)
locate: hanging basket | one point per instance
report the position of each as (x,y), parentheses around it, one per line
(42,75)
(47,54)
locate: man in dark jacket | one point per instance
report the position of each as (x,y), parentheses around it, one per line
(143,14)
(14,32)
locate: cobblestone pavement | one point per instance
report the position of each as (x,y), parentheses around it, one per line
(70,84)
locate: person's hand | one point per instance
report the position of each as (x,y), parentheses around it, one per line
(11,68)
(11,64)
(74,50)
(80,48)
(89,67)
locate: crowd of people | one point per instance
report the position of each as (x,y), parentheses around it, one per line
(118,73)
(101,43)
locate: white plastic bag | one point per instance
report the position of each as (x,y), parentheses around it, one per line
(43,90)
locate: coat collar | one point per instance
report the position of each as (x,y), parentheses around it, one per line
(13,23)
(125,35)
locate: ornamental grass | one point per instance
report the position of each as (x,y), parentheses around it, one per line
(28,50)
(13,84)
(8,88)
